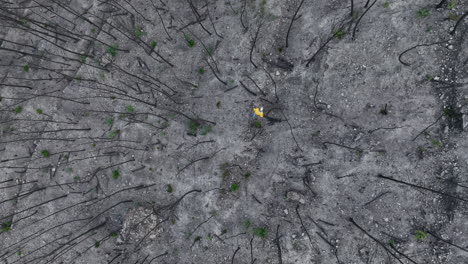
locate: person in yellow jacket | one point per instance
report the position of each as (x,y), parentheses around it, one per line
(258,111)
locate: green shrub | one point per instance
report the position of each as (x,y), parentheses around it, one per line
(453,16)
(225,169)
(450,112)
(169,188)
(6,226)
(423,12)
(112,50)
(234,187)
(45,153)
(130,109)
(18,109)
(114,133)
(115,174)
(190,41)
(420,235)
(262,8)
(193,127)
(206,130)
(110,121)
(452,4)
(23,22)
(421,149)
(340,34)
(139,32)
(260,232)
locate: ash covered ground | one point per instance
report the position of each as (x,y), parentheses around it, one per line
(128,134)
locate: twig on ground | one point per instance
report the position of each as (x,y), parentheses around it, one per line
(429,126)
(460,20)
(234,255)
(277,242)
(292,21)
(376,240)
(359,19)
(414,47)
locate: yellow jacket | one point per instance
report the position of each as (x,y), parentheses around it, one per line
(258,112)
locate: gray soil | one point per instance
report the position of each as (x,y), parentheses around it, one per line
(128,134)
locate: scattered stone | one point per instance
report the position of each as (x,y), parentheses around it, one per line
(134,228)
(295,196)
